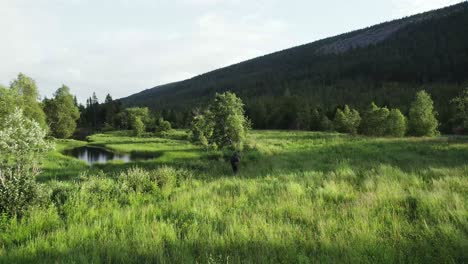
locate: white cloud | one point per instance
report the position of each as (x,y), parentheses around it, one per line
(89,54)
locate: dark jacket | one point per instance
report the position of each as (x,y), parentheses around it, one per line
(235,159)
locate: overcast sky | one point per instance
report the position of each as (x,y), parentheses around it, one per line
(124,46)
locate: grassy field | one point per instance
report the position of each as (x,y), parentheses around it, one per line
(300,197)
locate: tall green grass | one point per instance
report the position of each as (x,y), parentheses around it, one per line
(300,197)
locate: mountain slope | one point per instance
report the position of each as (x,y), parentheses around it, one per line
(386,63)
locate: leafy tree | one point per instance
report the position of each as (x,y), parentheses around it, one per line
(27,98)
(315,120)
(22,143)
(379,121)
(396,124)
(325,123)
(162,125)
(137,118)
(258,114)
(422,116)
(230,126)
(139,112)
(303,117)
(7,101)
(347,120)
(62,113)
(374,121)
(460,118)
(201,129)
(138,126)
(223,124)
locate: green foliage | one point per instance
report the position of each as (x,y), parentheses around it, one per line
(460,118)
(396,124)
(317,122)
(379,121)
(304,117)
(162,180)
(7,101)
(224,123)
(162,125)
(201,129)
(138,126)
(137,119)
(21,146)
(325,124)
(374,120)
(62,113)
(25,90)
(136,180)
(138,112)
(422,116)
(347,120)
(230,125)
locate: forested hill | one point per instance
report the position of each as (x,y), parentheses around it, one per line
(386,63)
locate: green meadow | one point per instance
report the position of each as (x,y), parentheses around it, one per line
(299,197)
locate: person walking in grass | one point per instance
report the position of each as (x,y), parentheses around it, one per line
(235,160)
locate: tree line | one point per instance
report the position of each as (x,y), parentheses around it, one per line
(64,117)
(381,121)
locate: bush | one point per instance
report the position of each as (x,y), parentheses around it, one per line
(162,180)
(396,124)
(166,179)
(379,121)
(21,144)
(16,193)
(138,127)
(460,117)
(136,180)
(374,121)
(347,120)
(422,116)
(162,126)
(201,130)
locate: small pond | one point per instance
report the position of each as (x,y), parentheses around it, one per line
(94,155)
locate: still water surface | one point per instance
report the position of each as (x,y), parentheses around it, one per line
(94,155)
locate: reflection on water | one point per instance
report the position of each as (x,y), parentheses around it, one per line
(97,155)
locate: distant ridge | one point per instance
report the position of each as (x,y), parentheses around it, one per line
(385,63)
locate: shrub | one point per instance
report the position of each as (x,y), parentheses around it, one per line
(460,117)
(21,144)
(347,120)
(163,179)
(201,130)
(396,124)
(137,180)
(138,127)
(422,116)
(374,121)
(166,179)
(162,126)
(379,121)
